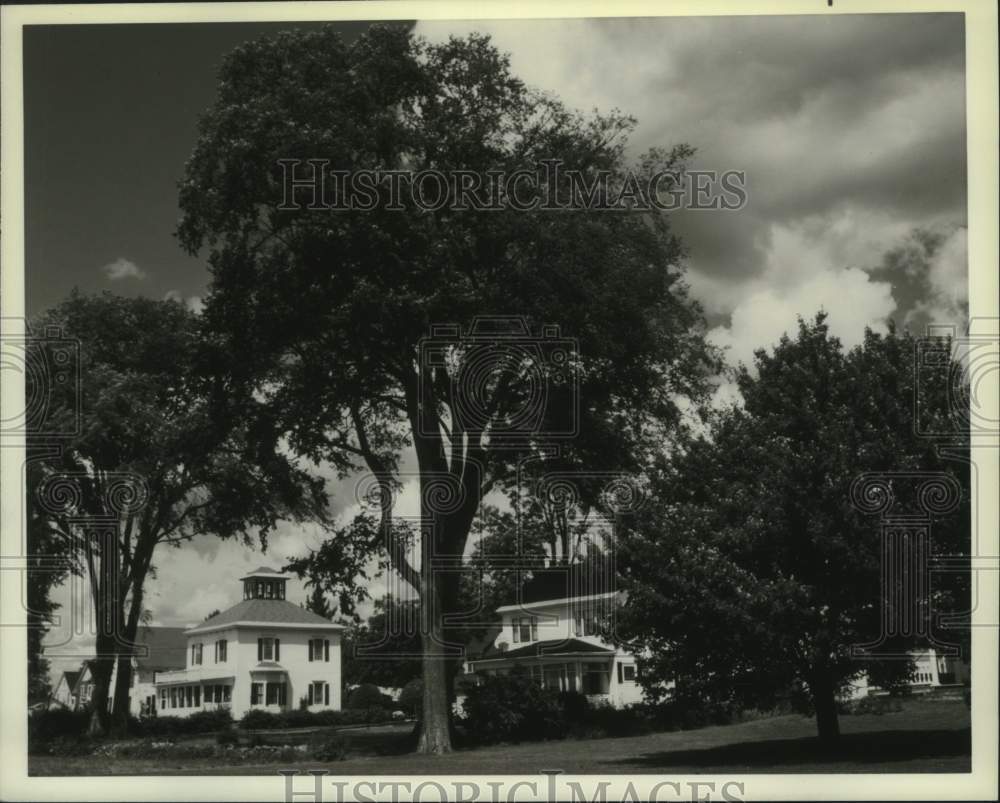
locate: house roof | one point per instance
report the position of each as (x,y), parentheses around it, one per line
(543,649)
(71,676)
(265,571)
(165,648)
(581,579)
(262,611)
(478,646)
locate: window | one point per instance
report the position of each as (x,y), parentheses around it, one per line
(319,693)
(275,694)
(559,677)
(629,673)
(227,692)
(596,679)
(196,653)
(189,694)
(319,649)
(268,649)
(209,694)
(173,697)
(197,696)
(256,693)
(221,647)
(525,629)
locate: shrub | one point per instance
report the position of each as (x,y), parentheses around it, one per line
(229,736)
(44,725)
(328,748)
(198,722)
(874,705)
(367,695)
(609,721)
(575,707)
(255,719)
(265,720)
(66,746)
(411,698)
(513,708)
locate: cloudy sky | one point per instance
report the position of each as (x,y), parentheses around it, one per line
(851,131)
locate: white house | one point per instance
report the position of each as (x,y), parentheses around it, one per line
(156,649)
(64,694)
(931,671)
(554,634)
(264,653)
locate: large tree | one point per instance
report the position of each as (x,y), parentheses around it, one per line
(756,571)
(338,319)
(161,455)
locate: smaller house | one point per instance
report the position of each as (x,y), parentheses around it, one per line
(556,634)
(159,649)
(64,694)
(84,685)
(931,672)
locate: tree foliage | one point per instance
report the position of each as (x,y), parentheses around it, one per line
(326,314)
(160,456)
(755,572)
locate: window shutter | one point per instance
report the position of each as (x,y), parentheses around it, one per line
(311,649)
(326,649)
(277,649)
(620,677)
(326,693)
(310,694)
(260,649)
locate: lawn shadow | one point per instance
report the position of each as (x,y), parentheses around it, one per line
(855,750)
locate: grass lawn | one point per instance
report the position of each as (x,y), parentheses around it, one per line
(927,736)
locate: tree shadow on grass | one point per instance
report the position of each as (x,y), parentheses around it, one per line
(855,750)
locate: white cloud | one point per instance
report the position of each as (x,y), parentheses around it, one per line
(193,303)
(948,277)
(810,266)
(123,268)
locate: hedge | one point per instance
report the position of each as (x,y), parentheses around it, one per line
(266,720)
(198,722)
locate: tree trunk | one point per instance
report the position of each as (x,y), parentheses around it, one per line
(436,719)
(100,671)
(120,706)
(824,700)
(123,681)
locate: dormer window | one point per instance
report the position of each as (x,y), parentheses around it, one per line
(525,629)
